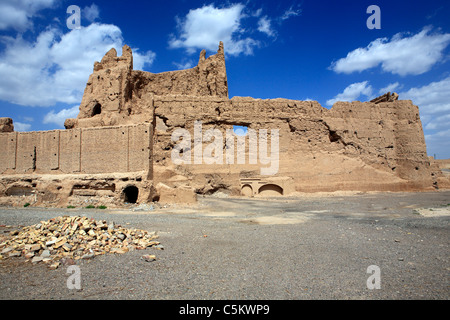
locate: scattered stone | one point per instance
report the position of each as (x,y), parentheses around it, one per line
(148,257)
(65,239)
(45,254)
(59,243)
(6,250)
(29,255)
(15,254)
(67,261)
(35,247)
(37,259)
(67,246)
(50,243)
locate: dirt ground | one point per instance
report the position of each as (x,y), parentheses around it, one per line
(317,246)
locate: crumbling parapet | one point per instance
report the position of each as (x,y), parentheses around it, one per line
(6,125)
(115,92)
(387,97)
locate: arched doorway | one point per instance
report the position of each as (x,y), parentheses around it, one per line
(270,190)
(247,190)
(131,194)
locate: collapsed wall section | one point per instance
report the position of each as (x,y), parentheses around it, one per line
(353,146)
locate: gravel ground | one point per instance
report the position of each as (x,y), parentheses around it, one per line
(317,247)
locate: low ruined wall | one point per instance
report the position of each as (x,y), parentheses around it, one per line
(77,167)
(77,190)
(87,150)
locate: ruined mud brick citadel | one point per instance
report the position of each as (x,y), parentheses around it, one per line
(118,150)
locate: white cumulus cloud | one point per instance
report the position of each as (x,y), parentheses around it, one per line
(56,66)
(235,25)
(433,98)
(433,101)
(58,118)
(402,55)
(20,126)
(205,27)
(18,14)
(353,92)
(91,13)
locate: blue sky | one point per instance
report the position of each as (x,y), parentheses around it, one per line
(316,50)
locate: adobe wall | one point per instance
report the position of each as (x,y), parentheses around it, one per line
(83,150)
(76,167)
(353,146)
(116,94)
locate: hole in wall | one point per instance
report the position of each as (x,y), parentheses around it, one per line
(334,136)
(131,194)
(97,109)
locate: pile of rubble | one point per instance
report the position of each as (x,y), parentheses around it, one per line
(73,238)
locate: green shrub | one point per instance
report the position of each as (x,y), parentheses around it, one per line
(90,206)
(27,205)
(70,207)
(101,207)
